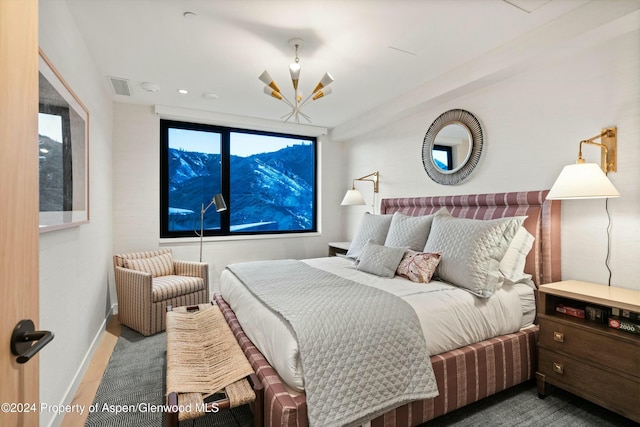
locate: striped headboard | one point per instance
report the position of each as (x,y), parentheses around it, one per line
(543,221)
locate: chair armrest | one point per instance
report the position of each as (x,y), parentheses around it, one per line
(132,280)
(193,269)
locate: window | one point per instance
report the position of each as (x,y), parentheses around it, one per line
(54,153)
(268,180)
(442,157)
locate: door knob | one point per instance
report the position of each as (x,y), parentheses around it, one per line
(23,337)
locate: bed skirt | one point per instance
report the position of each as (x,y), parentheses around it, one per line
(464,376)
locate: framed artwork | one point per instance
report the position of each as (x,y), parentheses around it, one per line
(63,150)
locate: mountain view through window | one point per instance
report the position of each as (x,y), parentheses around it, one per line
(266,179)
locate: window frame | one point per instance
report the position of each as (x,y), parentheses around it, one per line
(225,216)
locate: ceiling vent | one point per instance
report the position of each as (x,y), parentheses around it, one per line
(120,86)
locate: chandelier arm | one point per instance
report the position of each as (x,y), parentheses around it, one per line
(284,98)
(305,116)
(288,116)
(305,101)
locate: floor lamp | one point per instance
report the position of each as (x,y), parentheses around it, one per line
(218,201)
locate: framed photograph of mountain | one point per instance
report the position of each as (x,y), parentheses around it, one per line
(63,150)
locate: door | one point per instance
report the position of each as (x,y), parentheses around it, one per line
(18,204)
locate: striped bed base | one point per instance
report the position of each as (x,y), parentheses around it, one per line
(464,376)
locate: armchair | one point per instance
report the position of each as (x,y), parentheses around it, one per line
(147,282)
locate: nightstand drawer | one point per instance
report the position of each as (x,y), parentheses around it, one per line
(588,346)
(611,391)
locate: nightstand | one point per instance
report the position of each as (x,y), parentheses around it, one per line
(586,358)
(338,248)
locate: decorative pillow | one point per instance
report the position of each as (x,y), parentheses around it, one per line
(380,260)
(513,261)
(372,227)
(409,231)
(471,250)
(161,265)
(418,266)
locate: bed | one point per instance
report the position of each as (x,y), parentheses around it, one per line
(463,373)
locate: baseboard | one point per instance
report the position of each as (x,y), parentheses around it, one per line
(77,378)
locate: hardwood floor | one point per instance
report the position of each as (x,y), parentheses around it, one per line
(92,377)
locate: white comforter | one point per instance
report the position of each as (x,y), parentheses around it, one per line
(450,317)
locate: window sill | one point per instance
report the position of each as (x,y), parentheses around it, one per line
(189,240)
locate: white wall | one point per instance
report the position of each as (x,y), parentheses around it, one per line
(137,201)
(75,262)
(533,121)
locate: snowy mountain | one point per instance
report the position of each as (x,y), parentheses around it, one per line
(274,190)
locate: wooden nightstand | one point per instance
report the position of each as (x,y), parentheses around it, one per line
(336,248)
(584,357)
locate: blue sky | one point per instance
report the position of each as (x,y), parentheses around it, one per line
(242,144)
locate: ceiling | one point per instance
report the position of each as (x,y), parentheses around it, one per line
(378,51)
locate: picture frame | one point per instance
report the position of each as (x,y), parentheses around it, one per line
(63,150)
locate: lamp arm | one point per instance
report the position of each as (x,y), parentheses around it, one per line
(374,180)
(589,141)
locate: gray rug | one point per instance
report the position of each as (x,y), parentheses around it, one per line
(521,406)
(135,381)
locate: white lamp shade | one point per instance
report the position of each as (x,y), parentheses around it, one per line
(353,197)
(582,181)
(325,81)
(321,93)
(265,78)
(294,70)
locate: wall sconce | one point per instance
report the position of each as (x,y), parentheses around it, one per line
(218,201)
(588,180)
(354,197)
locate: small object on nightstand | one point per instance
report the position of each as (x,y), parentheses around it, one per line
(338,248)
(586,355)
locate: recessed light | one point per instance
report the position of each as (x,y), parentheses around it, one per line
(209,95)
(189,15)
(183,91)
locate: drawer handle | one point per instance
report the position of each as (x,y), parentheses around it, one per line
(558,336)
(558,368)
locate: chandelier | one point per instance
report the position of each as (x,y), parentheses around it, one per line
(273,90)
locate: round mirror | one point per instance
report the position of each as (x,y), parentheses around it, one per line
(452,147)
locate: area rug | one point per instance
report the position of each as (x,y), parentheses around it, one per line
(135,380)
(521,406)
(133,387)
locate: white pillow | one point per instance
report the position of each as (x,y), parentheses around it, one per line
(372,227)
(409,231)
(380,260)
(512,264)
(471,250)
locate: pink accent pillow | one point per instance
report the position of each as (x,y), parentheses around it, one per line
(418,266)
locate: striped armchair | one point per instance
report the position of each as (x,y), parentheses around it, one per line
(147,282)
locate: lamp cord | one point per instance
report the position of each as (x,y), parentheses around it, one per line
(606,261)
